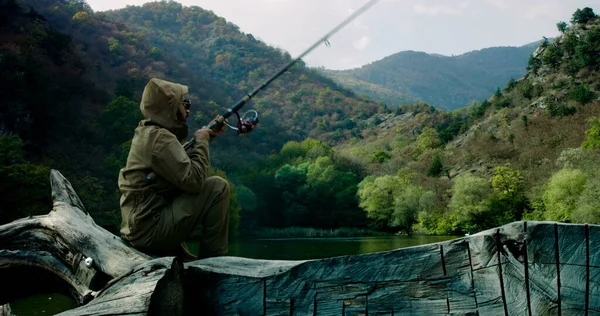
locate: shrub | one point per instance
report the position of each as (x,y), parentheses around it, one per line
(510,85)
(527,90)
(534,64)
(562,110)
(582,94)
(504,103)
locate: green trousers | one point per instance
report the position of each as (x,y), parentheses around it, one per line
(209,210)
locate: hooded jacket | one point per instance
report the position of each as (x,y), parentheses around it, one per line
(156,146)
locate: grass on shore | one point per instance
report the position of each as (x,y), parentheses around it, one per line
(306,232)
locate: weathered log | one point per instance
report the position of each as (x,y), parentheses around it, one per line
(5,310)
(67,249)
(523,268)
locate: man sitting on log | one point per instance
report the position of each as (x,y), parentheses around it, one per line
(160,212)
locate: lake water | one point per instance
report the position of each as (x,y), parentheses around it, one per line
(277,249)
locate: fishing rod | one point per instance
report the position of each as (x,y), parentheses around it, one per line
(246,123)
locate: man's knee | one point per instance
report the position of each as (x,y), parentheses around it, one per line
(218,185)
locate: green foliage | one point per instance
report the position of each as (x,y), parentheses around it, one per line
(428,139)
(583,16)
(527,90)
(469,201)
(525,120)
(81,19)
(562,193)
(562,26)
(508,202)
(512,83)
(393,202)
(380,156)
(588,205)
(117,160)
(498,94)
(533,64)
(503,103)
(114,46)
(477,111)
(25,186)
(437,168)
(451,128)
(582,94)
(318,194)
(552,56)
(592,134)
(586,51)
(507,182)
(156,53)
(561,110)
(570,43)
(118,120)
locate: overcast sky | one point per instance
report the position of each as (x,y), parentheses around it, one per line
(447,27)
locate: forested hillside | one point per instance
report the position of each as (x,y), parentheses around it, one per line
(72,79)
(321,157)
(445,82)
(530,151)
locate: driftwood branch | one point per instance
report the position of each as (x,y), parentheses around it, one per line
(523,268)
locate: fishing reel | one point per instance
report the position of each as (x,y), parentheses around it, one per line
(246,123)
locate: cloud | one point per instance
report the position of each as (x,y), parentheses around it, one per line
(435,10)
(361,43)
(500,4)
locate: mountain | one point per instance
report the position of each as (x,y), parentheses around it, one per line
(72,80)
(322,157)
(529,151)
(445,82)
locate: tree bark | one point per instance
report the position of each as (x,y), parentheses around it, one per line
(522,268)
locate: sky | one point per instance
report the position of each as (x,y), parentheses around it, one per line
(446,27)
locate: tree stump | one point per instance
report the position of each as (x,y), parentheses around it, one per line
(522,268)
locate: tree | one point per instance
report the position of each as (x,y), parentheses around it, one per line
(428,139)
(582,94)
(552,56)
(583,16)
(508,203)
(510,85)
(562,27)
(81,19)
(534,64)
(407,205)
(468,202)
(498,94)
(507,182)
(24,185)
(380,156)
(393,202)
(588,205)
(592,134)
(562,194)
(118,121)
(437,168)
(376,196)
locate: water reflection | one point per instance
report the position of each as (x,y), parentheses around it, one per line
(42,304)
(318,248)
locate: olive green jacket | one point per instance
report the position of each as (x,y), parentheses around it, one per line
(156,146)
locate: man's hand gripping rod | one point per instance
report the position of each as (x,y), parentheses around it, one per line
(239,104)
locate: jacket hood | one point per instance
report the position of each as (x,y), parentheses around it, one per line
(160,103)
